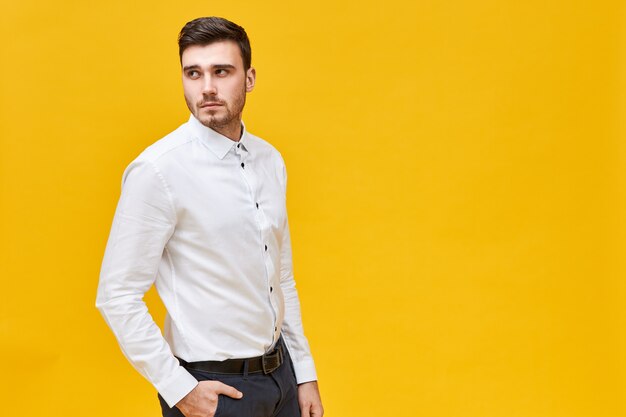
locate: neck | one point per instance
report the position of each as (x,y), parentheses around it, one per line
(232,131)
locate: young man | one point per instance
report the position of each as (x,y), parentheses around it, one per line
(202,215)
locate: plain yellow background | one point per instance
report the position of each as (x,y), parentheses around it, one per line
(457,191)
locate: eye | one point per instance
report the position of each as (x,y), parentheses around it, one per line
(221,72)
(193,74)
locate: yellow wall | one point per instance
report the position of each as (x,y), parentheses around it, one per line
(457,191)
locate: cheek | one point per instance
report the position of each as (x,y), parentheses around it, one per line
(190,90)
(235,87)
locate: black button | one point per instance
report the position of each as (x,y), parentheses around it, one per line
(271,289)
(275,328)
(242,164)
(239,145)
(265,247)
(257,205)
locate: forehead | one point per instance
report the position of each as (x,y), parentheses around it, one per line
(216,53)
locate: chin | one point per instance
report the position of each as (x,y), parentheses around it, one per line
(211,122)
(205,120)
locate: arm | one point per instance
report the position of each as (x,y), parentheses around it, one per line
(144,221)
(293,332)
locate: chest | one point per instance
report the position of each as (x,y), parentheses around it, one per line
(218,198)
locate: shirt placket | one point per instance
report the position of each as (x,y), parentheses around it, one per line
(263,227)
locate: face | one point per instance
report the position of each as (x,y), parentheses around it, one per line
(215,85)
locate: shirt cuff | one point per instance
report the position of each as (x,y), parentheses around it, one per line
(305,371)
(178,387)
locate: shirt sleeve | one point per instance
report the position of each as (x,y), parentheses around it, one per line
(143,222)
(293,332)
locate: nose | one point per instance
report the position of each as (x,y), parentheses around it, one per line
(209,86)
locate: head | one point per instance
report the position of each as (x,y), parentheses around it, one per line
(215,57)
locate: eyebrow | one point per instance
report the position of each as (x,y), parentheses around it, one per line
(215,66)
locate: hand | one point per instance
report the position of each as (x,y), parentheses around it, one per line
(309,399)
(202,400)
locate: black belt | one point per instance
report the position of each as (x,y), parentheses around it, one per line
(266,363)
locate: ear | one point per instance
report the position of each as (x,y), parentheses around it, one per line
(250,79)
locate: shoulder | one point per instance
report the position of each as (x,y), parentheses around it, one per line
(266,149)
(158,153)
(167,144)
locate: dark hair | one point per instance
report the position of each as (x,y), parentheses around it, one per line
(206,30)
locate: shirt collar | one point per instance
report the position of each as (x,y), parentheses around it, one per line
(219,144)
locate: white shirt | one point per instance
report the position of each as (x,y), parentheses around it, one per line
(204,218)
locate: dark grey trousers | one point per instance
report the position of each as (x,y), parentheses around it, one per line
(271,395)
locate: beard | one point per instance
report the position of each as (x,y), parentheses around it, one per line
(228,114)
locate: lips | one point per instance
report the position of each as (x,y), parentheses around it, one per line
(209,105)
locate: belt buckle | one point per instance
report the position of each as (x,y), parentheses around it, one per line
(278,353)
